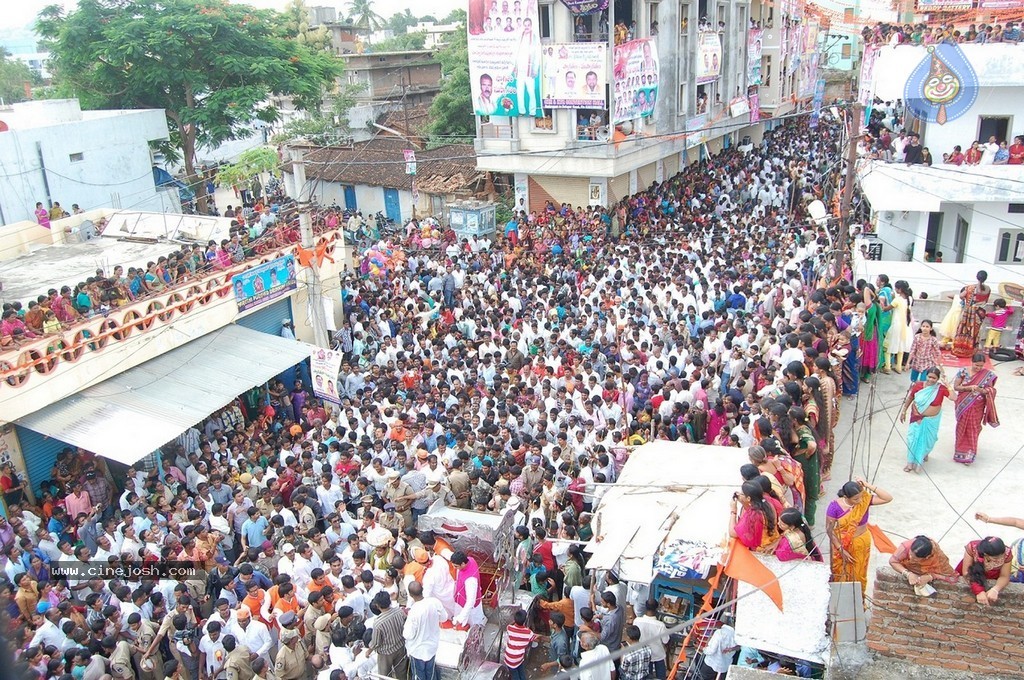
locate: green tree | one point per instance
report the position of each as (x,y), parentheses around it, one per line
(401,22)
(13,76)
(212,66)
(456,16)
(326,125)
(361,14)
(451,113)
(251,163)
(295,25)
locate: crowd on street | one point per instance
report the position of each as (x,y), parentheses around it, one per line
(511,379)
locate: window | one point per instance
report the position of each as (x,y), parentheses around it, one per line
(848,15)
(545,122)
(1011,247)
(76,157)
(847,50)
(652,15)
(683,104)
(545,21)
(1015,208)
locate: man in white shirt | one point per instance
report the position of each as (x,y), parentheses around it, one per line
(252,633)
(595,659)
(719,653)
(422,631)
(651,628)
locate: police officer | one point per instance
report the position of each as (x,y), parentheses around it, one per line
(291,657)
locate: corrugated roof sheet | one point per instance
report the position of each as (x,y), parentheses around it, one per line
(130,415)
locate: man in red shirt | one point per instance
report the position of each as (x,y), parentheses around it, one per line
(1017,151)
(517,642)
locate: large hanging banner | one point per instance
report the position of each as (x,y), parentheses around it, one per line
(325,364)
(808,75)
(575,75)
(709,57)
(943,86)
(264,282)
(866,91)
(819,97)
(635,73)
(755,107)
(504,58)
(945,5)
(755,41)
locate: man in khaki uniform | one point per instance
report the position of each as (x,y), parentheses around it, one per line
(291,657)
(305,515)
(141,632)
(121,662)
(458,481)
(314,611)
(395,492)
(238,665)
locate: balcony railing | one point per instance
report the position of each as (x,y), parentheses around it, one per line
(45,355)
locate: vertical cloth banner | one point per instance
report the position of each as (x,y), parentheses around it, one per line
(755,43)
(325,364)
(819,97)
(264,282)
(410,161)
(635,73)
(755,107)
(575,75)
(504,58)
(866,85)
(709,57)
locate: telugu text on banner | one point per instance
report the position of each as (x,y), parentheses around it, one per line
(575,75)
(635,73)
(504,58)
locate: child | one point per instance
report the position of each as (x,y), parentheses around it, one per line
(998,318)
(924,352)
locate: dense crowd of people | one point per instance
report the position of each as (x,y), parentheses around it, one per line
(516,378)
(923,34)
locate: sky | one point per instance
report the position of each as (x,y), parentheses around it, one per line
(18,16)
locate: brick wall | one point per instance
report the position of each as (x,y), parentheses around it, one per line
(950,630)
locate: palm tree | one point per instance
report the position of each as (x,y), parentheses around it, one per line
(363,16)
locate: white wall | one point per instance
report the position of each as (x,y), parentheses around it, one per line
(369,199)
(115,170)
(992,101)
(897,233)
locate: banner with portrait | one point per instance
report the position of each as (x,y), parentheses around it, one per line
(264,282)
(635,73)
(578,7)
(504,57)
(709,57)
(755,43)
(575,75)
(755,107)
(325,364)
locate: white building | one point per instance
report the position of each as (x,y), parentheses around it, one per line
(585,156)
(437,34)
(972,215)
(54,151)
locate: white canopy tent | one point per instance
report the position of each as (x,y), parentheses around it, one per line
(667,491)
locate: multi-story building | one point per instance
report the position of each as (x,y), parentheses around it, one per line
(608,139)
(789,55)
(966,217)
(54,151)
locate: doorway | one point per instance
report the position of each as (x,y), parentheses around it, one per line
(993,126)
(960,237)
(392,206)
(933,238)
(350,197)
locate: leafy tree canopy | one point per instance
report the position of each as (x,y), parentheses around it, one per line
(13,76)
(295,25)
(451,113)
(361,14)
(250,163)
(211,65)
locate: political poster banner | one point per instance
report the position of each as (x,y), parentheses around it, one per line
(819,97)
(755,43)
(575,75)
(709,57)
(635,73)
(264,282)
(324,365)
(866,89)
(755,107)
(807,75)
(504,57)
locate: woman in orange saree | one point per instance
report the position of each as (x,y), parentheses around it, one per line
(846,522)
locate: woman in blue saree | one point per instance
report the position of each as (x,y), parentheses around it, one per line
(925,403)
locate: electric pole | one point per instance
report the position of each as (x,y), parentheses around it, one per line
(314,286)
(842,240)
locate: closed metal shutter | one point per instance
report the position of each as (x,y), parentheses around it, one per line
(268,319)
(40,454)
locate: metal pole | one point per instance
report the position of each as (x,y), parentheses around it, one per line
(314,287)
(42,166)
(842,245)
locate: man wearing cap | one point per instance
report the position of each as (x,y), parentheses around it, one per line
(394,492)
(252,633)
(292,663)
(390,519)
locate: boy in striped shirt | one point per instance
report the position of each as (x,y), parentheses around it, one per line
(518,639)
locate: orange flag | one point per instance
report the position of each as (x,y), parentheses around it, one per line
(321,253)
(882,542)
(305,257)
(743,566)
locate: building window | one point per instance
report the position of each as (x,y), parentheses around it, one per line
(545,122)
(683,103)
(848,15)
(847,50)
(545,21)
(76,157)
(652,13)
(1015,208)
(1011,247)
